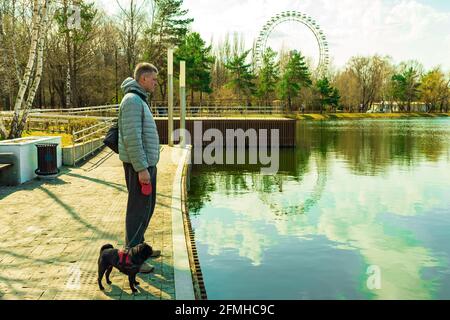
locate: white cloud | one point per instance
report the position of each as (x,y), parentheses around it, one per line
(403,29)
(351,218)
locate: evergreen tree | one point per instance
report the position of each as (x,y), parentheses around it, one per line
(295,76)
(268,76)
(242,78)
(168,30)
(199,62)
(405,86)
(329,96)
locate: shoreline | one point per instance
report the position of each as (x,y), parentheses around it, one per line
(359,116)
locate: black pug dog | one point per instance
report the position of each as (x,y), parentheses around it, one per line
(128,263)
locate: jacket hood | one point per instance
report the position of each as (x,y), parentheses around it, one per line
(130,84)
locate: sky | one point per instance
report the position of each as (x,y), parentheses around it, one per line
(402,29)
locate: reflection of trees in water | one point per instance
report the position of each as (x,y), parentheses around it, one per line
(201,187)
(370,147)
(238,179)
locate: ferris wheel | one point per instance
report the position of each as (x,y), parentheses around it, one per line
(295,16)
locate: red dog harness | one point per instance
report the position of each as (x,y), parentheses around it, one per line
(124,259)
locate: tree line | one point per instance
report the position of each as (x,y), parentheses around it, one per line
(70,53)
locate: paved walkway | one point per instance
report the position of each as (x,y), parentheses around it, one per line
(51,233)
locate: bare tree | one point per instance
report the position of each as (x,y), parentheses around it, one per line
(133,22)
(348,87)
(38,70)
(369,73)
(31,72)
(9,39)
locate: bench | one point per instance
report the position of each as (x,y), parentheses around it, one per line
(9,174)
(5,165)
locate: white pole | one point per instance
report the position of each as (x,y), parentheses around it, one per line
(182,103)
(170,95)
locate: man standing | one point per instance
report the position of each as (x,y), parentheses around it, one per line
(139,152)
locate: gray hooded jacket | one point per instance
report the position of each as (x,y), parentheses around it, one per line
(138,135)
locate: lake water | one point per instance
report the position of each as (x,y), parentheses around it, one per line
(359,210)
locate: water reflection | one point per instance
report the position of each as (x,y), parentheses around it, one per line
(337,206)
(372,146)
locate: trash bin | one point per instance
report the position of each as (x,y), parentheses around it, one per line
(47,159)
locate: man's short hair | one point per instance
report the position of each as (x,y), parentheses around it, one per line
(142,68)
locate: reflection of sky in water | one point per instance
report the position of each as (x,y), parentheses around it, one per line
(255,244)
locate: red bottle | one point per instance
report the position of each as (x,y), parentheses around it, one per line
(146,189)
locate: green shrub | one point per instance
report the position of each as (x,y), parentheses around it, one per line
(80,124)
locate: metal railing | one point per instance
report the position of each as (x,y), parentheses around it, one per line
(75,111)
(42,123)
(87,136)
(161,110)
(219,111)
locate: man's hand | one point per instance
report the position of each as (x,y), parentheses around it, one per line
(144,177)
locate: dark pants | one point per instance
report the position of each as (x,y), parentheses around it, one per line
(139,207)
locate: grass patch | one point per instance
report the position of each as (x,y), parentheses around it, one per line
(307,117)
(243,115)
(66,138)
